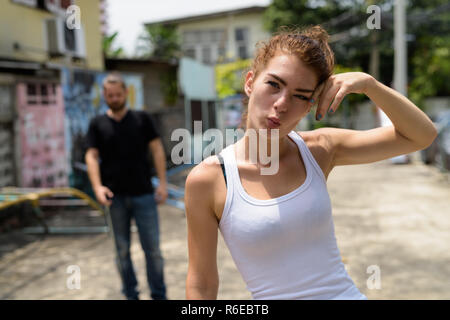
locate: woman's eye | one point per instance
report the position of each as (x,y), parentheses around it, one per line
(273,84)
(301,97)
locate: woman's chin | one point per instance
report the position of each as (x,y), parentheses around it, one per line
(270,132)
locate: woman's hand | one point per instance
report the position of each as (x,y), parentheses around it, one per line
(331,93)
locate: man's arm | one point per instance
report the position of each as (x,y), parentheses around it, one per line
(159,159)
(93,168)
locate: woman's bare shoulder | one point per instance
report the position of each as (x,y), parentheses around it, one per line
(319,142)
(318,138)
(203,192)
(203,176)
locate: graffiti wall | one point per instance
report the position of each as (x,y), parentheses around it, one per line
(83,100)
(40,109)
(53,120)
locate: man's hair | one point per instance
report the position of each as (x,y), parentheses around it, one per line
(114,77)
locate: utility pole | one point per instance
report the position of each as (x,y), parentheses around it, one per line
(400,58)
(400,64)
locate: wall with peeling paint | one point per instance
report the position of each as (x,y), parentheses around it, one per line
(40,122)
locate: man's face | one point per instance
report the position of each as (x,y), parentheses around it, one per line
(115,96)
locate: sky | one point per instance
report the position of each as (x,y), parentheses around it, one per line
(128,16)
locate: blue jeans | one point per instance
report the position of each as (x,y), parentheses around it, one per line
(143,209)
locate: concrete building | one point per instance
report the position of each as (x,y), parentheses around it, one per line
(36,46)
(221,36)
(211,40)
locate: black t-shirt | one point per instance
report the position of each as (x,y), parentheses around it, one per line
(124,151)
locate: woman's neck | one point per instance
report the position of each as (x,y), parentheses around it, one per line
(261,149)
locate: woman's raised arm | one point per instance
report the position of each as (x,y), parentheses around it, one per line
(412,130)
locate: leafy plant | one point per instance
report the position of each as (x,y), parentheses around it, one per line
(108,46)
(160,41)
(230,76)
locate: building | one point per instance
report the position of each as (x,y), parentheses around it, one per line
(221,36)
(208,41)
(35,31)
(37,52)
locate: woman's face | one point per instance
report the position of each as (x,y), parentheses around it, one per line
(280,95)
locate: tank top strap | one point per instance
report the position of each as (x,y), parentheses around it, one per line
(229,163)
(305,151)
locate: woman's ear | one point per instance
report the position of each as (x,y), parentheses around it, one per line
(248,86)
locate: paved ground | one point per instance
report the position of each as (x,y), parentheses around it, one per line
(393,217)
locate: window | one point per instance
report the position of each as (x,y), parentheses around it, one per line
(41,93)
(69,38)
(206,55)
(220,36)
(241,38)
(221,52)
(240,34)
(206,36)
(189,52)
(191,37)
(242,51)
(44,94)
(204,45)
(31,93)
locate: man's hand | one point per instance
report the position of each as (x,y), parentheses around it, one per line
(103,195)
(161,194)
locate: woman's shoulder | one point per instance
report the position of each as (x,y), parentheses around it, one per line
(321,137)
(205,192)
(319,143)
(204,175)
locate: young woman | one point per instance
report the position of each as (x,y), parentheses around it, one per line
(279,228)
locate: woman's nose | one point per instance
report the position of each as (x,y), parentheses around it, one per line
(281,104)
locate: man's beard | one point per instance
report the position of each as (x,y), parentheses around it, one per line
(117,107)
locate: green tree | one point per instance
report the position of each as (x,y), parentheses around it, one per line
(300,13)
(430,69)
(109,50)
(160,41)
(230,77)
(427,27)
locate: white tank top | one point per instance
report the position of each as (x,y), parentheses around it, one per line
(285,248)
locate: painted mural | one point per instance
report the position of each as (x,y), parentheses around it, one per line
(43,161)
(53,120)
(83,100)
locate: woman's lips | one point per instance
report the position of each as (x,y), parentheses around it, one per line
(273,122)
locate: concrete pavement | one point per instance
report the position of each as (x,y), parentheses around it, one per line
(394,219)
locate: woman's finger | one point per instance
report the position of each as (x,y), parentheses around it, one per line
(318,91)
(325,101)
(340,95)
